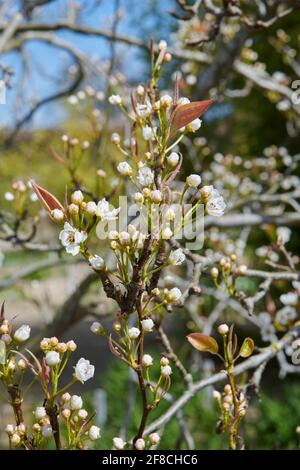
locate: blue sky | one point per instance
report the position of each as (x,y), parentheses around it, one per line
(50,60)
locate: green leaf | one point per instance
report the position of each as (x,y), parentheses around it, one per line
(247,347)
(203,342)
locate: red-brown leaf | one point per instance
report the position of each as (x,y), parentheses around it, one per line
(186,113)
(48,201)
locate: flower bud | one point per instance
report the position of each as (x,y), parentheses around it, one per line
(97,263)
(71,345)
(53,341)
(52,358)
(164,361)
(242,269)
(57,215)
(133,332)
(165,371)
(147,325)
(115,100)
(214,272)
(61,348)
(15,440)
(91,208)
(66,397)
(223,329)
(36,427)
(154,438)
(166,233)
(117,326)
(40,413)
(94,433)
(10,429)
(75,402)
(140,444)
(97,328)
(66,413)
(82,414)
(193,181)
(216,395)
(115,138)
(22,334)
(138,198)
(47,430)
(73,209)
(77,197)
(147,360)
(156,196)
(118,443)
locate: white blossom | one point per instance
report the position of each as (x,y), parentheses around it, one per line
(84,370)
(144,110)
(71,238)
(145,176)
(215,205)
(147,325)
(177,257)
(104,212)
(94,433)
(22,334)
(91,208)
(52,358)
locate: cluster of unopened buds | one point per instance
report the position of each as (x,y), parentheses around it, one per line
(58,404)
(226,405)
(141,444)
(227,272)
(232,402)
